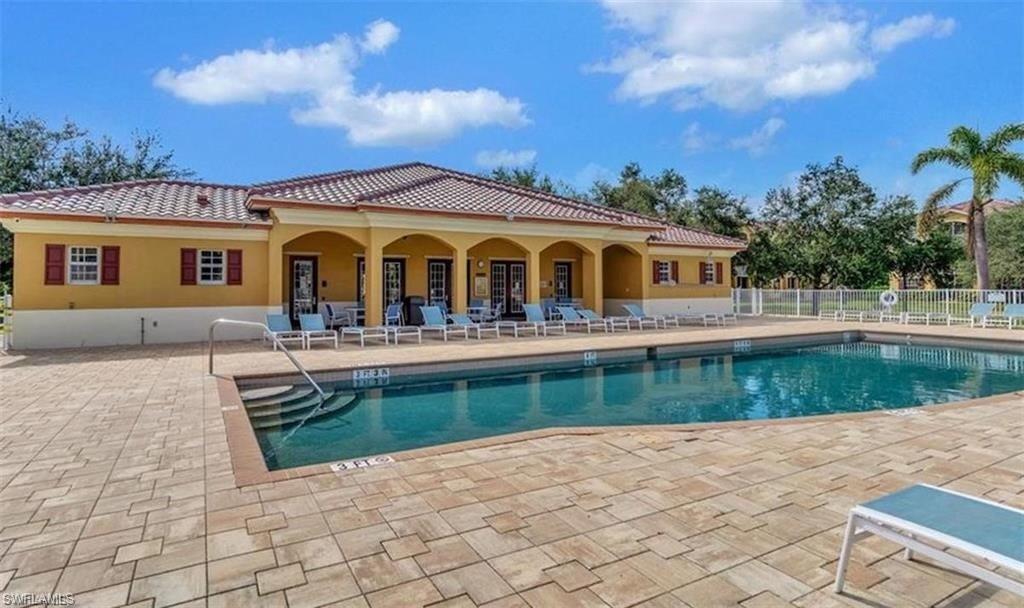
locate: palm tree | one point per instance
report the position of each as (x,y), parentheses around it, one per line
(988,160)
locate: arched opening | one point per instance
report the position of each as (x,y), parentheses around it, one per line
(320,268)
(623,278)
(497,276)
(562,275)
(418,271)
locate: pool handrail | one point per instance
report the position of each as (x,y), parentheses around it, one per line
(268,333)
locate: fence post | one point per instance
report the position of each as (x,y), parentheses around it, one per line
(798,311)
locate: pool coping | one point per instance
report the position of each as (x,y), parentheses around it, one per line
(250,468)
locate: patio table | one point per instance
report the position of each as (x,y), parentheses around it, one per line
(357,314)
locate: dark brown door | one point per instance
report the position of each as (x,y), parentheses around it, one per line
(563,281)
(303,292)
(439,282)
(508,287)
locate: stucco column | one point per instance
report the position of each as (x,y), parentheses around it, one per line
(374,279)
(275,263)
(460,257)
(593,281)
(533,276)
(646,279)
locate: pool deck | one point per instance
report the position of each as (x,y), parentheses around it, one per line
(117,486)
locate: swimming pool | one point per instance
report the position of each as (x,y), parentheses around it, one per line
(782,383)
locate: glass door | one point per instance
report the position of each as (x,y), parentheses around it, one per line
(303,287)
(563,281)
(517,280)
(508,287)
(439,281)
(499,280)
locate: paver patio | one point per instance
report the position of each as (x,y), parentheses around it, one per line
(117,487)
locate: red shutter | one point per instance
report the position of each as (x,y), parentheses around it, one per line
(718,273)
(188,267)
(655,272)
(234,266)
(700,277)
(675,272)
(54,274)
(110,271)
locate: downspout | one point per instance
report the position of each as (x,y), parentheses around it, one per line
(142,330)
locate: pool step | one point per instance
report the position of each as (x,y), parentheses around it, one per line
(265,392)
(331,405)
(294,405)
(295,394)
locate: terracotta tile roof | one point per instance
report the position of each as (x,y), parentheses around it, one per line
(413,186)
(160,199)
(993,205)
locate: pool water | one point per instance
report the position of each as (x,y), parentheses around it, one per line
(779,384)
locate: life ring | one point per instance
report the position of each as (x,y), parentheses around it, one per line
(888,298)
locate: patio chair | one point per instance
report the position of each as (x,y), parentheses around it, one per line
(463,320)
(434,321)
(574,320)
(336,316)
(281,328)
(728,317)
(979,311)
(1011,314)
(637,314)
(314,330)
(930,520)
(535,315)
(393,315)
(611,323)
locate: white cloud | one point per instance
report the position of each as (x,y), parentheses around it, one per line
(742,55)
(888,37)
(505,158)
(379,36)
(319,81)
(590,173)
(758,142)
(697,139)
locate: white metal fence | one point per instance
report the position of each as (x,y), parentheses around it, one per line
(813,302)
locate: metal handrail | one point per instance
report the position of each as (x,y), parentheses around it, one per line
(270,334)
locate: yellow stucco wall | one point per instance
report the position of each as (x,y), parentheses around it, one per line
(150,275)
(689,285)
(561,252)
(623,273)
(337,264)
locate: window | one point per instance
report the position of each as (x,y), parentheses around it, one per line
(709,274)
(957,229)
(211,267)
(83,265)
(664,273)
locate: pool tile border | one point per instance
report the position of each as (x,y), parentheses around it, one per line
(250,468)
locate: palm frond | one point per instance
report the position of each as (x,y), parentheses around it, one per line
(940,155)
(939,196)
(967,139)
(1010,164)
(1005,135)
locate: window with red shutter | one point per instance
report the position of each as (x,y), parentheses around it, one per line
(718,273)
(110,273)
(234,266)
(675,272)
(188,266)
(54,274)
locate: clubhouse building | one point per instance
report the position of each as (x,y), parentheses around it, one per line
(155,261)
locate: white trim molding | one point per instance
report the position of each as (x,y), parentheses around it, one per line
(41,226)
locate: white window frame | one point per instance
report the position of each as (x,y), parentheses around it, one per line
(665,273)
(223,267)
(97,265)
(710,274)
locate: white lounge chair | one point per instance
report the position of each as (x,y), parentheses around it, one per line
(927,520)
(1012,313)
(314,330)
(281,328)
(979,312)
(463,320)
(535,315)
(366,333)
(611,323)
(637,315)
(573,319)
(433,320)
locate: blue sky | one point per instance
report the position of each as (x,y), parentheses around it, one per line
(737,95)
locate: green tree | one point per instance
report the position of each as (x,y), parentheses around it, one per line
(933,256)
(1005,250)
(35,157)
(716,210)
(988,160)
(531,177)
(830,230)
(662,196)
